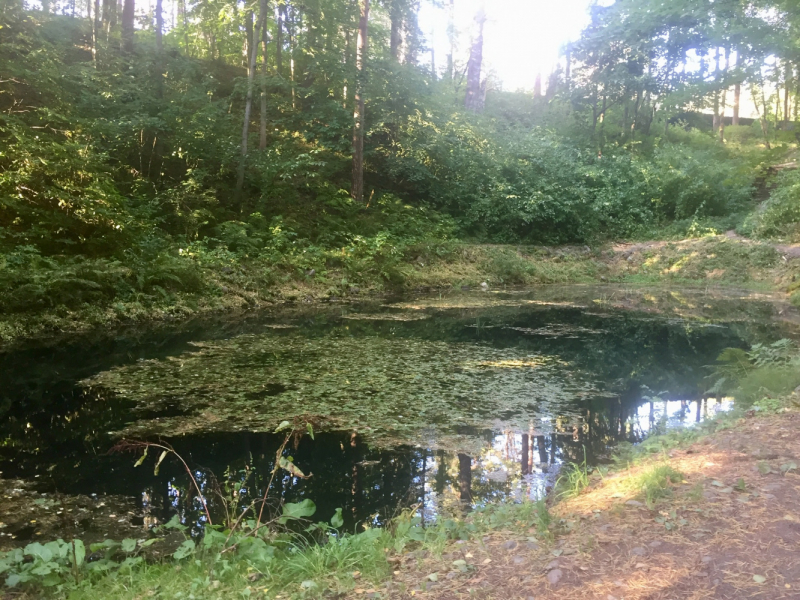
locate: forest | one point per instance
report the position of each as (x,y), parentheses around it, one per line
(310,299)
(149,157)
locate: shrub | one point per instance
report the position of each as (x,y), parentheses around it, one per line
(780,215)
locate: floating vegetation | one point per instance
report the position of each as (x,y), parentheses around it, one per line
(387,316)
(559,330)
(389,390)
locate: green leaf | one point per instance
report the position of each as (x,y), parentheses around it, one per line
(38,551)
(184,550)
(284,425)
(288,465)
(79,552)
(310,429)
(337,520)
(128,545)
(139,462)
(175,523)
(160,460)
(299,510)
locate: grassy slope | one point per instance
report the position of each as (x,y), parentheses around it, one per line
(712,261)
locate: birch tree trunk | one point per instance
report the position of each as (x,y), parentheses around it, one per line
(357,190)
(474,99)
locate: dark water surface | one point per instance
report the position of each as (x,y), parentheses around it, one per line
(434,402)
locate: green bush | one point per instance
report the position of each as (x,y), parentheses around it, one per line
(780,215)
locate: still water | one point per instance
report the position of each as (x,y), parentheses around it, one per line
(437,403)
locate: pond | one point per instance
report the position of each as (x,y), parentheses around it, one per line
(437,403)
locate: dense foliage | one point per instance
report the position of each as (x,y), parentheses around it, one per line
(118,165)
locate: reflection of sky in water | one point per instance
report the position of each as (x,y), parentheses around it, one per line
(507,470)
(503,471)
(661,415)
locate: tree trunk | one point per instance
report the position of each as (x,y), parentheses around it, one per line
(537,86)
(128,12)
(95,31)
(184,20)
(412,34)
(787,85)
(724,97)
(290,32)
(762,117)
(525,453)
(451,37)
(248,106)
(249,38)
(159,28)
(396,35)
(796,95)
(568,60)
(715,125)
(737,90)
(474,99)
(279,40)
(358,116)
(262,140)
(433,63)
(109,16)
(465,478)
(347,62)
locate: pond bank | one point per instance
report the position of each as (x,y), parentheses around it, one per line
(716,261)
(710,512)
(723,521)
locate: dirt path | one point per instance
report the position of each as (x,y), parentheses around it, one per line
(787,250)
(730,530)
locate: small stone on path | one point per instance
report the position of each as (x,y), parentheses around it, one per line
(518,560)
(654,544)
(509,545)
(554,576)
(634,503)
(639,551)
